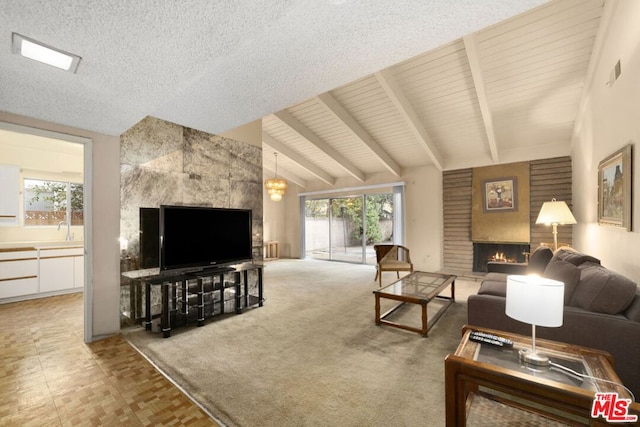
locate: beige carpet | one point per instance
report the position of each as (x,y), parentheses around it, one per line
(312,355)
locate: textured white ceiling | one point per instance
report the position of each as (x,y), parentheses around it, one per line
(215,65)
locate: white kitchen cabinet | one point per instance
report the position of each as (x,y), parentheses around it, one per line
(78,271)
(57,268)
(9,194)
(27,272)
(18,273)
(56,274)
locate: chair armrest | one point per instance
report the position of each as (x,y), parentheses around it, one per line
(406,255)
(506,267)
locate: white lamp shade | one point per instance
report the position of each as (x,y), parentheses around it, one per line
(554,212)
(535,300)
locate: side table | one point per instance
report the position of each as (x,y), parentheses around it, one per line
(553,395)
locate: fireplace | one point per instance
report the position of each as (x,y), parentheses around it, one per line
(503,252)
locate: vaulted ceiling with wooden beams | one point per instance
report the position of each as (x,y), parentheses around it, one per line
(510,92)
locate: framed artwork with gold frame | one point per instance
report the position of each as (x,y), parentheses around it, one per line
(614,189)
(500,194)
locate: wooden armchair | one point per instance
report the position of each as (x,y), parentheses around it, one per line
(392,258)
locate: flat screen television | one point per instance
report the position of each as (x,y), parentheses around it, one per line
(149,237)
(195,238)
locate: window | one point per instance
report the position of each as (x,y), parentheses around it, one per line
(49,202)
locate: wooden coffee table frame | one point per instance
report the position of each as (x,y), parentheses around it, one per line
(420,298)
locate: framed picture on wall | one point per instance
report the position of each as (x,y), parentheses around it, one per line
(614,189)
(500,194)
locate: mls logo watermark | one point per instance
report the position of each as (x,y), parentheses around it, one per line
(612,408)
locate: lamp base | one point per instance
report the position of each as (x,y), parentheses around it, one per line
(533,358)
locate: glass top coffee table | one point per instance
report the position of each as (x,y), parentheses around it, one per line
(420,288)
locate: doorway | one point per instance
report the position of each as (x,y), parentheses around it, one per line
(50,160)
(346,228)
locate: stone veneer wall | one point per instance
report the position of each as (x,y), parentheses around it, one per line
(162,163)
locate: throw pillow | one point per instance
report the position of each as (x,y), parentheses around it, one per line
(602,290)
(494,284)
(564,272)
(539,259)
(574,257)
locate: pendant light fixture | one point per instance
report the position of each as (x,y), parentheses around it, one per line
(276,186)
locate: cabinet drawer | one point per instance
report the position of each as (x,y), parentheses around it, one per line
(60,253)
(18,254)
(18,287)
(18,269)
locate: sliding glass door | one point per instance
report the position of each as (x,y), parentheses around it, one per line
(379,222)
(346,228)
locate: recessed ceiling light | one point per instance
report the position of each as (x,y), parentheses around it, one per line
(38,51)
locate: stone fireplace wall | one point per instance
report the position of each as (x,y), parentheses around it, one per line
(549,178)
(165,163)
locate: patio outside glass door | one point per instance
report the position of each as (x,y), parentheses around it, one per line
(346,228)
(379,222)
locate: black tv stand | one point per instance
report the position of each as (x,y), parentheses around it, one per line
(203,293)
(209,269)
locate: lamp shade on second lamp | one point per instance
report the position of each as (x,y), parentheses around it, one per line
(555,212)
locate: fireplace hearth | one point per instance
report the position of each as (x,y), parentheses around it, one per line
(502,252)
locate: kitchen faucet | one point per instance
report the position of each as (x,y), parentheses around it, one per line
(68,229)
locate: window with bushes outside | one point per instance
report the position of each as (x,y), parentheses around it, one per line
(50,202)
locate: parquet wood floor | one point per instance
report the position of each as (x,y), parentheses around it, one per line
(50,377)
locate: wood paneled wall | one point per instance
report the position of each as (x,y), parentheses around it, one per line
(456,194)
(549,178)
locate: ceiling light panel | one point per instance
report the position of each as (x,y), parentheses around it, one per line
(41,52)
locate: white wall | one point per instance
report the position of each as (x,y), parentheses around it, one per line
(105,222)
(610,120)
(274,225)
(250,133)
(423,216)
(424,223)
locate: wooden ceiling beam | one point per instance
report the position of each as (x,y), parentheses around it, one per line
(304,132)
(473,57)
(393,91)
(342,115)
(299,160)
(291,177)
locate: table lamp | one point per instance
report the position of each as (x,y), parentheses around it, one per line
(538,301)
(555,213)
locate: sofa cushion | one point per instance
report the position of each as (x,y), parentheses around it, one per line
(564,272)
(602,290)
(574,257)
(633,311)
(494,284)
(539,259)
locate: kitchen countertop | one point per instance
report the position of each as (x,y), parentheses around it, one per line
(32,245)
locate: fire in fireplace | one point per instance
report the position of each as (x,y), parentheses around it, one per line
(501,252)
(501,257)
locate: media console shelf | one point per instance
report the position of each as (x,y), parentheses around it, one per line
(186,297)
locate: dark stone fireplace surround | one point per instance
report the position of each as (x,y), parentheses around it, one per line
(484,252)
